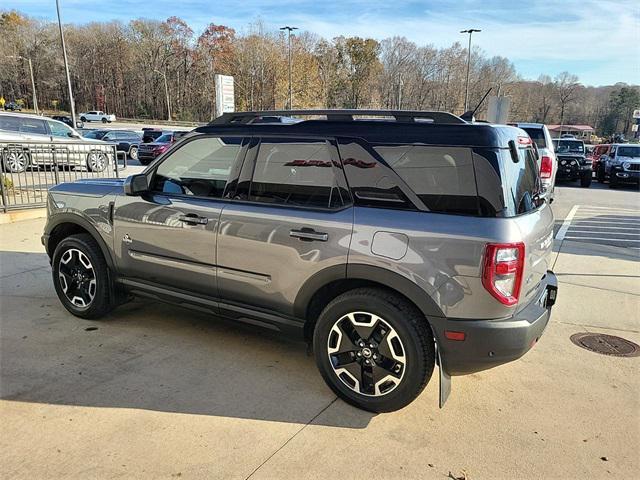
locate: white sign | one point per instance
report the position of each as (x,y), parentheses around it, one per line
(634,128)
(498,109)
(225,98)
(636,114)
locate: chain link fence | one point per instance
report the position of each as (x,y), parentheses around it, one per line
(30,169)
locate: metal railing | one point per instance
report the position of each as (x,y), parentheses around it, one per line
(29,169)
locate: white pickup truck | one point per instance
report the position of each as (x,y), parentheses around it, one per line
(97,116)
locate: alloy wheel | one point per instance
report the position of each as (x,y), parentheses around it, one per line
(366,354)
(15,161)
(97,161)
(77,278)
(133,153)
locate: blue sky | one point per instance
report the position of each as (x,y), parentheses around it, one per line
(598,40)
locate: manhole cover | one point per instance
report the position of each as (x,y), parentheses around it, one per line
(606,344)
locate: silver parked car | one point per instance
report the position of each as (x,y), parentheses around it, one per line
(34,141)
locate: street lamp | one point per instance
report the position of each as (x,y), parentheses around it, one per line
(289,29)
(33,83)
(166,91)
(66,67)
(470,31)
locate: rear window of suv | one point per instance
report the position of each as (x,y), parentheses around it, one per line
(537,135)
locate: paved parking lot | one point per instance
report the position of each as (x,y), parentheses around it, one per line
(155,391)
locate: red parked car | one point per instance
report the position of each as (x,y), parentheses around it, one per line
(599,151)
(147,152)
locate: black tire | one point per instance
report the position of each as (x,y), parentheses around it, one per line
(600,174)
(585,179)
(15,160)
(101,303)
(133,152)
(83,119)
(613,182)
(144,162)
(104,120)
(404,320)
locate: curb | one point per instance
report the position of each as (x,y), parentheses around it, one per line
(19,215)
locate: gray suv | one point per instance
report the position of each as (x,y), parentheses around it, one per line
(390,241)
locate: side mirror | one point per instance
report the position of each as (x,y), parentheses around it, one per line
(136,184)
(73,135)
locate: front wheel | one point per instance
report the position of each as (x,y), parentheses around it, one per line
(83,119)
(585,179)
(97,161)
(81,277)
(374,349)
(104,120)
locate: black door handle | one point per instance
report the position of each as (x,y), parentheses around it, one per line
(309,235)
(193,219)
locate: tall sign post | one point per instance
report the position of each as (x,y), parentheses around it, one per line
(225,98)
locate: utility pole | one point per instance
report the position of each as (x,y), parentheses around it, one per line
(470,31)
(166,92)
(33,83)
(289,29)
(66,67)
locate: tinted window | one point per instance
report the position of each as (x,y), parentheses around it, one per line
(59,129)
(200,167)
(537,135)
(33,126)
(295,172)
(95,134)
(442,177)
(629,151)
(520,180)
(568,146)
(11,124)
(166,138)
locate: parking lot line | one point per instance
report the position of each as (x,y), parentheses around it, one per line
(600,238)
(567,223)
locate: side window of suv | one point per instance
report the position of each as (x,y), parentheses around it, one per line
(59,129)
(296,172)
(442,177)
(32,125)
(200,167)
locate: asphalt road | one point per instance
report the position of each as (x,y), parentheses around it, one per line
(155,391)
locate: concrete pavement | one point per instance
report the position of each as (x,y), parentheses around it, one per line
(155,391)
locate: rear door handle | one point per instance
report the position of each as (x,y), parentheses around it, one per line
(309,235)
(193,219)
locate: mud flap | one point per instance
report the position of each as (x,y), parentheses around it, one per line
(445,379)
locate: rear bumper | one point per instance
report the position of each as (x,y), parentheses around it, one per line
(489,343)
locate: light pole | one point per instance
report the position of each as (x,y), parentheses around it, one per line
(166,92)
(470,31)
(289,29)
(33,83)
(66,66)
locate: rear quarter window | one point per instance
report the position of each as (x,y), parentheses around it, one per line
(442,177)
(520,181)
(537,135)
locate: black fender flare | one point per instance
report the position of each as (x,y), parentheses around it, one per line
(358,271)
(82,222)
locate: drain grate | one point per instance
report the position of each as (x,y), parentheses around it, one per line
(606,344)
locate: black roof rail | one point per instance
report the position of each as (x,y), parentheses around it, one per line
(340,115)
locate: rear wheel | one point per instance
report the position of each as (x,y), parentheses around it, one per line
(81,277)
(374,349)
(83,119)
(104,120)
(133,152)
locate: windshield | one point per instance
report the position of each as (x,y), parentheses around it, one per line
(629,152)
(166,138)
(95,134)
(568,146)
(537,135)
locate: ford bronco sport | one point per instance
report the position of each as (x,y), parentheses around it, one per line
(389,243)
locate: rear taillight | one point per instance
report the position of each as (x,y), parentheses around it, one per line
(503,270)
(546,167)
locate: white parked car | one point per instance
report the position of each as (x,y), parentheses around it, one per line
(97,116)
(547,160)
(33,141)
